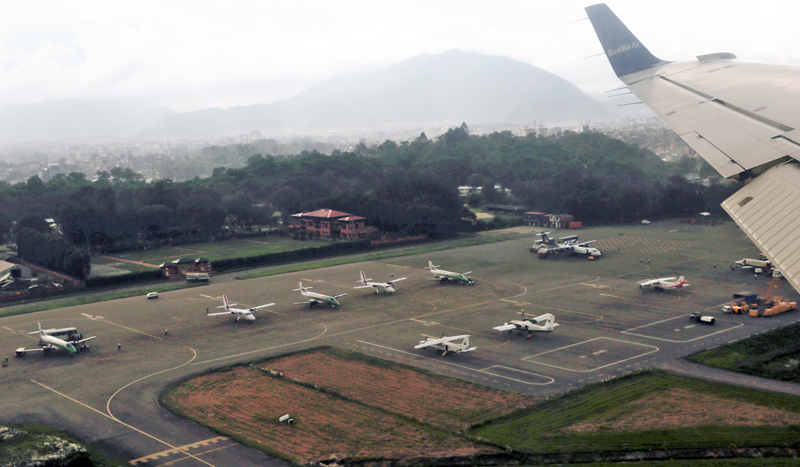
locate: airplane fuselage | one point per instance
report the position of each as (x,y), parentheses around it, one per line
(314,298)
(49,343)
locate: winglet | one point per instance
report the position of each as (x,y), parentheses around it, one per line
(624,51)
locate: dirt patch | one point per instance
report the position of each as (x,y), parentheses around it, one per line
(679,407)
(343,407)
(442,402)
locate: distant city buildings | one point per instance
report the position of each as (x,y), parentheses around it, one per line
(49,172)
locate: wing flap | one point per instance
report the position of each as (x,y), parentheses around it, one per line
(729,136)
(766,210)
(505,327)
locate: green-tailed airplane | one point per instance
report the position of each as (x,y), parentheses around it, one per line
(317,298)
(48,342)
(444,276)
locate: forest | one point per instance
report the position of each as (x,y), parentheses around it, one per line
(404,188)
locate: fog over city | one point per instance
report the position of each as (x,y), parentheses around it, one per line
(193,55)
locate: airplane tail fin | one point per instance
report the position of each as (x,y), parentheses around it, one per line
(624,51)
(364,279)
(550,321)
(681,280)
(225,301)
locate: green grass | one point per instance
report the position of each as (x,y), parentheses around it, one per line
(393,253)
(773,354)
(75,301)
(247,251)
(539,430)
(20,449)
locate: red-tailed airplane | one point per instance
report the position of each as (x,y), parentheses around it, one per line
(387,286)
(663,283)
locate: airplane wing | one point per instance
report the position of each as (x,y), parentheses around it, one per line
(585,244)
(428,343)
(396,280)
(306,303)
(84,340)
(38,349)
(452,338)
(261,306)
(739,116)
(220,314)
(363,287)
(506,327)
(340,295)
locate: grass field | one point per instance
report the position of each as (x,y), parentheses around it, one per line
(774,354)
(650,411)
(344,404)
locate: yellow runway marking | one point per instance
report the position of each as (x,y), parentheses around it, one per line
(177,450)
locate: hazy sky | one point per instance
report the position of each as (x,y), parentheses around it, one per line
(192,54)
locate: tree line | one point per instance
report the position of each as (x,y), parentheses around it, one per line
(403,188)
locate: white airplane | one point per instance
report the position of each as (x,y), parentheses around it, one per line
(317,298)
(741,116)
(663,283)
(547,245)
(452,344)
(387,287)
(247,314)
(48,343)
(444,276)
(543,323)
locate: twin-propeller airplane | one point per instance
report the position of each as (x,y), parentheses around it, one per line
(49,342)
(247,314)
(543,323)
(451,344)
(444,276)
(317,298)
(663,283)
(570,245)
(386,287)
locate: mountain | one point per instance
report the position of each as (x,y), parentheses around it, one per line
(77,119)
(426,90)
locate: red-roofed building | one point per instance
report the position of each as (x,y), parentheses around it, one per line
(332,224)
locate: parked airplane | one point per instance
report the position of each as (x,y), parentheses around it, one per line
(387,287)
(547,245)
(48,343)
(452,344)
(664,283)
(545,322)
(740,116)
(753,263)
(444,276)
(317,298)
(238,312)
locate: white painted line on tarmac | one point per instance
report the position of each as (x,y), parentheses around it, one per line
(529,358)
(674,341)
(461,366)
